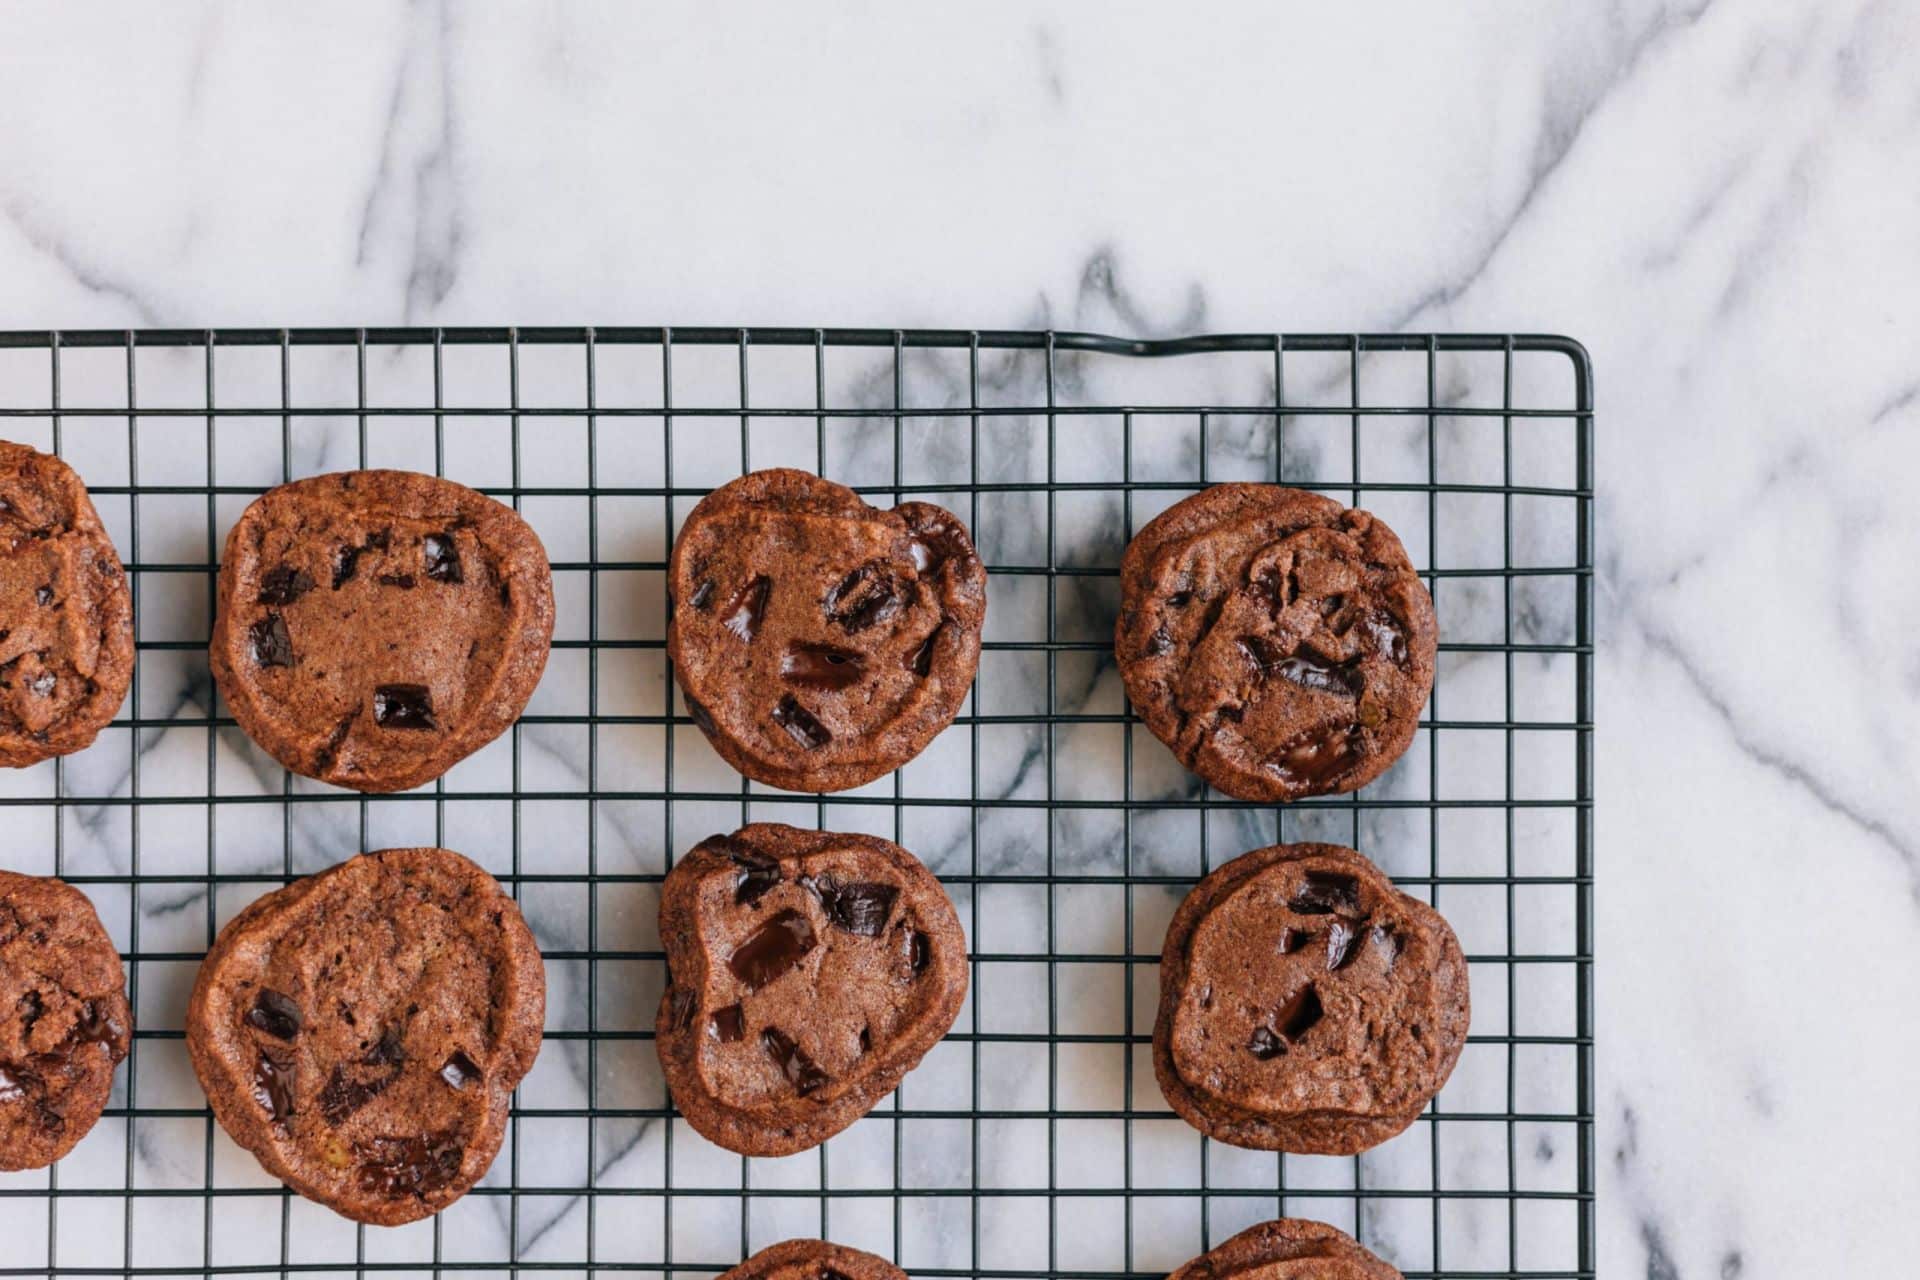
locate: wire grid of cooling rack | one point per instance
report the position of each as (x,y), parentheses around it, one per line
(1033,1140)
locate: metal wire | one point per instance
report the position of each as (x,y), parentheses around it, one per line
(1523,1210)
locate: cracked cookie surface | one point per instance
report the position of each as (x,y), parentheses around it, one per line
(1280,643)
(1288,1249)
(376,627)
(64,1021)
(1306,1004)
(66,613)
(820,642)
(808,972)
(361,1031)
(814,1260)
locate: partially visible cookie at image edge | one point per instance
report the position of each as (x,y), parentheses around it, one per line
(1288,1249)
(66,612)
(820,642)
(813,1260)
(1280,643)
(376,627)
(64,1020)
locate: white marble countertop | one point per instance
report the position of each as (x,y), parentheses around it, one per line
(1719,200)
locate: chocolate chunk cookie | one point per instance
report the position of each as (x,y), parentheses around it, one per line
(362,1031)
(376,627)
(1278,642)
(813,1260)
(64,1021)
(1288,1249)
(821,642)
(807,973)
(66,616)
(1306,1004)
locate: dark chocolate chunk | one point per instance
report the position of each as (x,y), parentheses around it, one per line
(1387,635)
(404,581)
(729,1024)
(346,560)
(801,1071)
(11,1089)
(772,949)
(800,724)
(274,1014)
(271,645)
(1291,940)
(273,1084)
(404,706)
(1319,756)
(459,1070)
(1265,1045)
(749,604)
(283,584)
(43,595)
(1339,679)
(1299,1014)
(864,597)
(919,952)
(442,557)
(1343,944)
(702,594)
(860,907)
(820,666)
(1324,892)
(921,663)
(758,874)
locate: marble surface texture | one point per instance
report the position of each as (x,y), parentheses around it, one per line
(1721,200)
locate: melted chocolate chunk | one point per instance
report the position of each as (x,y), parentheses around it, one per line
(283,584)
(749,604)
(1299,1014)
(758,874)
(864,597)
(442,557)
(1339,679)
(772,949)
(1386,943)
(404,706)
(866,1039)
(800,724)
(274,1014)
(919,952)
(702,594)
(1179,599)
(404,581)
(1343,944)
(820,666)
(273,1084)
(802,1072)
(1159,643)
(1291,940)
(1324,892)
(43,595)
(921,663)
(1319,756)
(702,719)
(728,1025)
(346,560)
(1388,638)
(11,1089)
(1265,1045)
(270,643)
(395,1167)
(459,1070)
(860,907)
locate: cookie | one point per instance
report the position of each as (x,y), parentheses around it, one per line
(361,1031)
(1306,1004)
(1288,1249)
(66,615)
(821,642)
(64,1021)
(814,1260)
(1278,642)
(807,972)
(376,627)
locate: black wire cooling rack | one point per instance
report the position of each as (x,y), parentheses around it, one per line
(1031,1142)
